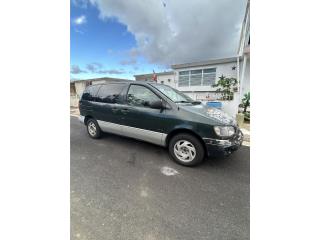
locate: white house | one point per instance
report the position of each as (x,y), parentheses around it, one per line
(197,79)
(162,77)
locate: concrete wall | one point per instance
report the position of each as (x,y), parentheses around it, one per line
(74,101)
(246,79)
(230,107)
(75,97)
(166,81)
(80,86)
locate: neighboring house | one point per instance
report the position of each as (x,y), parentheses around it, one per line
(162,77)
(77,87)
(197,79)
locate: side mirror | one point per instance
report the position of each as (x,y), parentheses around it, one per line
(157,105)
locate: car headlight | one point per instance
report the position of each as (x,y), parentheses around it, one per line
(224,131)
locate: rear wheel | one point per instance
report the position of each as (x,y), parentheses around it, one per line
(186,149)
(93,128)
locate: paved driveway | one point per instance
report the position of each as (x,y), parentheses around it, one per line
(125,189)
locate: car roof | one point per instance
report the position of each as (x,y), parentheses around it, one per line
(145,83)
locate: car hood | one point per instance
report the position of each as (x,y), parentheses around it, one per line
(209,113)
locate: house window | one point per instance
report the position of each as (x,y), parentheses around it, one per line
(209,76)
(200,77)
(195,77)
(183,78)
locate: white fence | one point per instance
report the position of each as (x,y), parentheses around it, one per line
(228,106)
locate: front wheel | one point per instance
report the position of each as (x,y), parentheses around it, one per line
(186,149)
(93,128)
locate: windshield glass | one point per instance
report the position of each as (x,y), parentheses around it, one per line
(172,93)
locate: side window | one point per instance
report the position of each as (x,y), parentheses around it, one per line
(110,93)
(90,93)
(141,96)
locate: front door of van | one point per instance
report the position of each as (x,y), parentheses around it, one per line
(139,120)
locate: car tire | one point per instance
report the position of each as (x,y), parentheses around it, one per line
(186,149)
(93,128)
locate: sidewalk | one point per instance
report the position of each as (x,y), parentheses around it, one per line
(246,134)
(74,111)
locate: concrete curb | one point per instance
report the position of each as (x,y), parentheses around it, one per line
(245,143)
(246,134)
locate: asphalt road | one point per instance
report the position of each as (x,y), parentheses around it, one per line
(120,189)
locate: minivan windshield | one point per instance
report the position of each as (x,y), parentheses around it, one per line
(173,94)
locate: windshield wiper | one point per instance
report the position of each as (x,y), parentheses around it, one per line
(193,102)
(196,102)
(182,101)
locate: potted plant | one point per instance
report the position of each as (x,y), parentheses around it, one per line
(246,104)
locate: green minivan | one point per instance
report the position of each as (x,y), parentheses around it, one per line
(161,115)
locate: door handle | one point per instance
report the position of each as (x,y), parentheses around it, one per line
(124,110)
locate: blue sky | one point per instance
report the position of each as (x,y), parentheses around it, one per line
(105,44)
(120,38)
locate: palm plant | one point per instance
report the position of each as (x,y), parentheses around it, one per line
(246,102)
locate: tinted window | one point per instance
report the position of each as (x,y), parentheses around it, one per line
(141,96)
(110,93)
(90,93)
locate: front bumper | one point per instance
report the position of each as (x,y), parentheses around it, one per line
(217,146)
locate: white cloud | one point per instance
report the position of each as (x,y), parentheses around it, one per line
(80,20)
(80,3)
(179,31)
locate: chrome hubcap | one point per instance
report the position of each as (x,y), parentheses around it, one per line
(184,151)
(92,128)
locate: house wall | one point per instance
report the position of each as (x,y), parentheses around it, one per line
(74,101)
(246,79)
(163,77)
(166,81)
(98,81)
(221,69)
(80,86)
(74,98)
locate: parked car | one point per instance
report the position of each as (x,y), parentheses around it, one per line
(161,115)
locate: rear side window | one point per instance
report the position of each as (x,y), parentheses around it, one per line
(110,93)
(90,93)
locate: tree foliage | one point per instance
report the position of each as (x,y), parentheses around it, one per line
(226,86)
(246,101)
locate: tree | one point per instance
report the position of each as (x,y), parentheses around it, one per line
(225,84)
(246,102)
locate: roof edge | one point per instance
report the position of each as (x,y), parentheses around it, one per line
(205,63)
